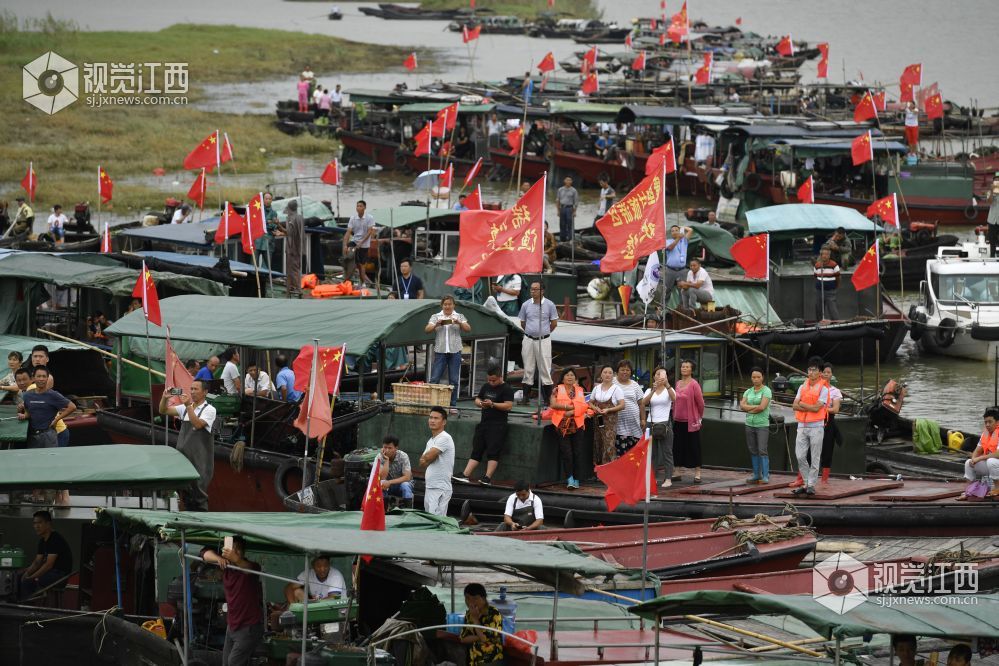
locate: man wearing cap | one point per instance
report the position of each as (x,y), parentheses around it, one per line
(24,220)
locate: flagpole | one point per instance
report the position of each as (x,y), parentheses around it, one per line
(308,413)
(218,162)
(98,208)
(149,370)
(645,512)
(541,310)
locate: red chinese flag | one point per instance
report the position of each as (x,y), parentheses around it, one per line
(635,226)
(331,174)
(373,505)
(627,40)
(658,156)
(410,61)
(473,172)
(806,193)
(753,254)
(330,361)
(865,275)
(177,375)
(823,66)
(105,186)
(444,180)
(629,478)
(861,149)
(905,92)
(424,139)
(447,117)
(230,225)
(590,58)
(879,101)
(865,109)
(474,200)
(208,154)
(255,222)
(502,242)
(470,34)
(738,20)
(681,16)
(785,47)
(638,64)
(106,239)
(885,208)
(652,24)
(198,189)
(315,418)
(934,107)
(547,63)
(913,75)
(703,75)
(145,289)
(590,84)
(514,137)
(30,182)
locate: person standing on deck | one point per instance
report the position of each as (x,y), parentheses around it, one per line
(810,411)
(912,127)
(495,399)
(830,435)
(195,441)
(756,403)
(438,459)
(447,327)
(676,257)
(410,286)
(607,195)
(826,283)
(507,292)
(244,599)
(361,230)
(538,318)
(993,218)
(295,231)
(568,201)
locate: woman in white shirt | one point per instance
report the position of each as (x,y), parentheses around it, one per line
(606,400)
(658,401)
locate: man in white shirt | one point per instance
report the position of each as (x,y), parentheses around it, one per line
(912,127)
(182,215)
(257,381)
(361,230)
(57,222)
(230,373)
(324,582)
(493,129)
(507,291)
(438,459)
(697,288)
(317,95)
(336,97)
(195,441)
(523,510)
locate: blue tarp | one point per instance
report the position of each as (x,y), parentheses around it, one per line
(807,218)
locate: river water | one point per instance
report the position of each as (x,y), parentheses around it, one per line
(873,41)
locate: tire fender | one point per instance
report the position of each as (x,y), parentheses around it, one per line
(944,334)
(281,476)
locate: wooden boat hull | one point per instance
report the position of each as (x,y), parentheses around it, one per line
(533,168)
(362,150)
(587,169)
(945,211)
(626,533)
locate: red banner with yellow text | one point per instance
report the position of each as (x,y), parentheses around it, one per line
(635,226)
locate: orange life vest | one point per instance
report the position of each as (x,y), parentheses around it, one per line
(578,402)
(810,396)
(989,443)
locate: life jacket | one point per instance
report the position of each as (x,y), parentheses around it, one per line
(989,443)
(578,402)
(333,290)
(810,396)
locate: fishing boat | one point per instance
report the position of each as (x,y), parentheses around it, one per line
(106,584)
(396,12)
(493,25)
(958,311)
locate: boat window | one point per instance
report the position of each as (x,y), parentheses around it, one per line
(957,288)
(485,352)
(710,371)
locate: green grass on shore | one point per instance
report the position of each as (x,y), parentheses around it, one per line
(522,8)
(131,141)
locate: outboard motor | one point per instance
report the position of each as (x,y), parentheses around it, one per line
(893,395)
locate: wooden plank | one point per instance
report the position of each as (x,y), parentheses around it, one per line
(930,494)
(735,487)
(839,489)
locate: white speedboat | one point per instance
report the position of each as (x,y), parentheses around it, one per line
(958,311)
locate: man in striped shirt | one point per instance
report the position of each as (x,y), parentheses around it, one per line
(826,284)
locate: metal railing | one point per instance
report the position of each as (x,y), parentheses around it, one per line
(387,639)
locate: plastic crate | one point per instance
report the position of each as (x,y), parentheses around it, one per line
(226,405)
(419,398)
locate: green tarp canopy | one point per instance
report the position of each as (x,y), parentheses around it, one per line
(977,616)
(307,206)
(117,282)
(12,430)
(430,108)
(795,219)
(320,533)
(101,467)
(808,147)
(586,113)
(717,240)
(406,216)
(749,298)
(291,324)
(23,344)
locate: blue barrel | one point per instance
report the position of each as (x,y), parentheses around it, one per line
(455,619)
(508,609)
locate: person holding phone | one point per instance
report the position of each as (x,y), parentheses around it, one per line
(244,599)
(195,440)
(447,327)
